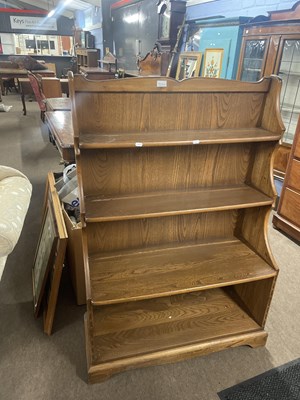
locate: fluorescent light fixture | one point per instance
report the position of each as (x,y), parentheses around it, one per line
(195,2)
(51,13)
(137,17)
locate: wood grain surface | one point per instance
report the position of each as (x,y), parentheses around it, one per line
(175,190)
(138,275)
(149,205)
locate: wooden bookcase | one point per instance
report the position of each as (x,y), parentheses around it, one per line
(175,189)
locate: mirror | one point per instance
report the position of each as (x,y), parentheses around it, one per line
(188,65)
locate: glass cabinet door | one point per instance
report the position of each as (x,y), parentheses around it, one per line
(289,71)
(253,61)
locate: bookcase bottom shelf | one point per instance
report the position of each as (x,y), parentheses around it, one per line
(163,330)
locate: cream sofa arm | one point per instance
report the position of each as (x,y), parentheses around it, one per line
(15,194)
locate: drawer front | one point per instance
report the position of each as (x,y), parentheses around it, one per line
(290,206)
(293,180)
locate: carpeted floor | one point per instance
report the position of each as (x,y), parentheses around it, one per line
(282,383)
(36,367)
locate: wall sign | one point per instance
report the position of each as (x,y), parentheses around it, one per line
(32,23)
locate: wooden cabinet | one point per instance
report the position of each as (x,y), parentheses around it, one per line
(287,218)
(175,192)
(87,57)
(273,47)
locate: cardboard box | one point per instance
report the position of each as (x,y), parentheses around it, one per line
(74,256)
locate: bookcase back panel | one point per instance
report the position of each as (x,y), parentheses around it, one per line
(109,172)
(142,233)
(150,112)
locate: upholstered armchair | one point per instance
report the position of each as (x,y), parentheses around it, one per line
(15,194)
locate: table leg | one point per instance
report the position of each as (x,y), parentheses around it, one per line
(23,102)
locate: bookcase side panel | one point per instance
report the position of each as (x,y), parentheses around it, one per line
(256,298)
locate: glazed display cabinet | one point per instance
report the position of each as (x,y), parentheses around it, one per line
(273,47)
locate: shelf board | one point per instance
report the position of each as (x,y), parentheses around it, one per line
(157,204)
(125,334)
(163,271)
(174,138)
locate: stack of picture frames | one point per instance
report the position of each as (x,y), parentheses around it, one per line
(189,64)
(49,257)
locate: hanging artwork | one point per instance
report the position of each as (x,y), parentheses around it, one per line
(213,63)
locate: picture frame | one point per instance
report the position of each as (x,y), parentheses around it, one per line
(212,66)
(44,253)
(49,256)
(189,64)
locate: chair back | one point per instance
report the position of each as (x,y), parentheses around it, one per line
(37,90)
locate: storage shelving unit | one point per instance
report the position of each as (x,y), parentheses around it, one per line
(175,190)
(87,57)
(273,47)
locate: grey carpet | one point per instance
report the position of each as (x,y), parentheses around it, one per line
(34,366)
(282,383)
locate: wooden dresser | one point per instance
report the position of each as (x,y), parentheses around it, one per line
(175,193)
(287,218)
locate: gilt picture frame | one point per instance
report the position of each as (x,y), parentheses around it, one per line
(49,258)
(189,64)
(212,66)
(44,253)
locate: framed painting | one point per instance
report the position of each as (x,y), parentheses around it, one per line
(49,257)
(212,66)
(188,66)
(44,254)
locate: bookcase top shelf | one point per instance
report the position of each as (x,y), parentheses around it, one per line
(163,84)
(149,205)
(174,138)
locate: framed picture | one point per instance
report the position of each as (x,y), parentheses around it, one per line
(49,257)
(213,63)
(44,253)
(188,65)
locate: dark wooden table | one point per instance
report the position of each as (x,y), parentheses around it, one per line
(58,104)
(96,73)
(61,128)
(16,73)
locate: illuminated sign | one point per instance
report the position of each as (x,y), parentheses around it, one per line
(33,23)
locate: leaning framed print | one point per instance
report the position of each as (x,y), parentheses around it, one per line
(188,66)
(49,257)
(212,65)
(44,253)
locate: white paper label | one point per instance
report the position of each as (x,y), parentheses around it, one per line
(161,83)
(196,141)
(138,144)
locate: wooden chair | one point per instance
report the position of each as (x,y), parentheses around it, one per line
(35,83)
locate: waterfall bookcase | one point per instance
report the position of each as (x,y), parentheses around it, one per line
(176,188)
